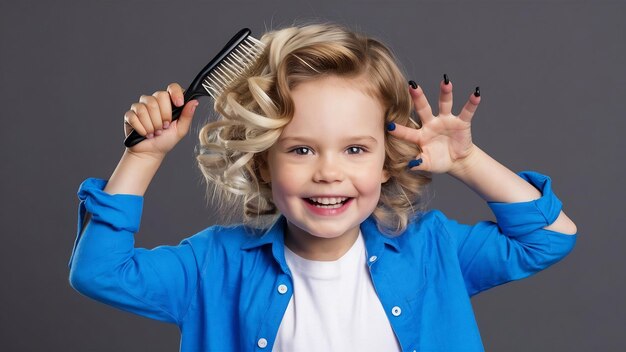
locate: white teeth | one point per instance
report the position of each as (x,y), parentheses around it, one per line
(329,201)
(329,206)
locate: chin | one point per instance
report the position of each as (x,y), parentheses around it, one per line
(327,231)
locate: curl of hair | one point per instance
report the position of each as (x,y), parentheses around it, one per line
(254,109)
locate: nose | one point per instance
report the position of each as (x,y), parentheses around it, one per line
(328,170)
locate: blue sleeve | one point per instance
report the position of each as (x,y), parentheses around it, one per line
(514,247)
(105,265)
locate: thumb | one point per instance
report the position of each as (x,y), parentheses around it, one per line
(415,163)
(184,121)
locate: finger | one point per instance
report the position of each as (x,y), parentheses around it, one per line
(470,107)
(405,133)
(416,164)
(131,119)
(143,115)
(154,110)
(422,108)
(165,105)
(184,121)
(445,96)
(176,93)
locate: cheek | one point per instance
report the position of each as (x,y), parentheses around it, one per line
(372,178)
(287,185)
(367,185)
(288,179)
(371,182)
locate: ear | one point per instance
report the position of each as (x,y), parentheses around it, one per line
(385,176)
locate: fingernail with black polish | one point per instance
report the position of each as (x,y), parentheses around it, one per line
(391,126)
(413,84)
(414,163)
(446,80)
(477,92)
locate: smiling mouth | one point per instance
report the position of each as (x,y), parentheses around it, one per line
(328,202)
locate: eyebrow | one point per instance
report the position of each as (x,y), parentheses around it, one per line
(309,140)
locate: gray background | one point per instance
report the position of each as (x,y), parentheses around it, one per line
(552,77)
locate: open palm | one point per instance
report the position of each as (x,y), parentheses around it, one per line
(445,139)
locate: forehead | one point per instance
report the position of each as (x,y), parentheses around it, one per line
(333,103)
(359,82)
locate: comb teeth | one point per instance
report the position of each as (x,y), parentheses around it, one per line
(240,59)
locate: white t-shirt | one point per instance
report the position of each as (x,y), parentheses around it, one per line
(334,307)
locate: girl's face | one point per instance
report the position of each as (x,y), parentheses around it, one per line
(326,169)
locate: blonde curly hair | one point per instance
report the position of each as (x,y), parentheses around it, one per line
(254,109)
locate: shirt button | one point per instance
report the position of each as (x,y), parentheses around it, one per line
(396,311)
(373,258)
(282,289)
(262,343)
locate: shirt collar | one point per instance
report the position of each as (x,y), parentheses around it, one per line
(274,235)
(375,239)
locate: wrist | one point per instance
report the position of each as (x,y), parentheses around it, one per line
(133,174)
(462,167)
(147,159)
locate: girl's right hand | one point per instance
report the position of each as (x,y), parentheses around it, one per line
(151,117)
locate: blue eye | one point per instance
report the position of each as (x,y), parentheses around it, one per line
(301,150)
(355,150)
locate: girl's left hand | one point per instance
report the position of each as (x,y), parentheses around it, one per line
(445,139)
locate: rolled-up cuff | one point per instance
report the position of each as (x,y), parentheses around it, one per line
(121,212)
(524,217)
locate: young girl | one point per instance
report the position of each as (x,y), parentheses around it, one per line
(318,137)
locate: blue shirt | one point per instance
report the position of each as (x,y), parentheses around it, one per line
(221,286)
